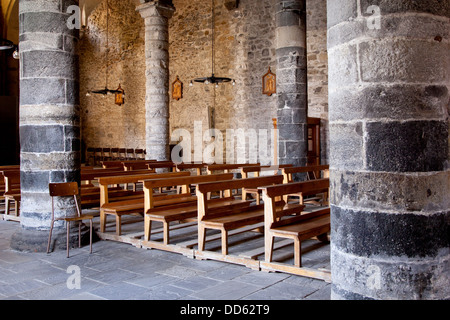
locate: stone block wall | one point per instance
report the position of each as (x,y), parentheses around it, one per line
(244,50)
(105,124)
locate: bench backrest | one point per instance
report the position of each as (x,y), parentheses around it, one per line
(131,178)
(256,170)
(11,179)
(150,184)
(100,173)
(204,188)
(130,165)
(271,194)
(187,166)
(161,165)
(112,164)
(313,172)
(228,166)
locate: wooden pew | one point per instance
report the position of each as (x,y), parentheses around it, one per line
(92,175)
(291,221)
(311,172)
(228,217)
(179,209)
(112,164)
(132,203)
(256,171)
(11,180)
(227,167)
(162,165)
(188,166)
(131,165)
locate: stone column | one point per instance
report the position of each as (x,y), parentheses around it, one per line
(291,81)
(388,95)
(49,117)
(156,15)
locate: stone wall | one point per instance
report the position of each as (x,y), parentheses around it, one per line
(244,51)
(104,123)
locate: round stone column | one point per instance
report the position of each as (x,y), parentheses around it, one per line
(291,81)
(156,16)
(49,118)
(388,96)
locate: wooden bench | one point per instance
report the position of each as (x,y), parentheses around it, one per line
(256,171)
(162,165)
(227,167)
(130,203)
(291,221)
(88,176)
(131,165)
(11,180)
(188,166)
(179,209)
(310,172)
(229,217)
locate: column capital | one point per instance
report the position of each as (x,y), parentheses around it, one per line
(152,8)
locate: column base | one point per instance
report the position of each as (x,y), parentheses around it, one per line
(27,240)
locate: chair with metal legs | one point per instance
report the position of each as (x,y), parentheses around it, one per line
(68,189)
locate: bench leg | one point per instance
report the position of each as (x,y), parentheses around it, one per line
(297,253)
(268,247)
(16,208)
(118,225)
(6,206)
(201,238)
(102,221)
(224,242)
(147,228)
(90,236)
(166,232)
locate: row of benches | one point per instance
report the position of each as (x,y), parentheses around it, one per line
(226,212)
(223,213)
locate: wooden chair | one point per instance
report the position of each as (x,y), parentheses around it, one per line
(114,154)
(90,156)
(98,156)
(122,154)
(130,154)
(139,154)
(68,189)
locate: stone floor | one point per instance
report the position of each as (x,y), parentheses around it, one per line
(118,271)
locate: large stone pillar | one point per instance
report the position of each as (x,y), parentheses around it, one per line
(291,81)
(389,95)
(49,117)
(156,15)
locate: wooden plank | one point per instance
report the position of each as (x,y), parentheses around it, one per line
(310,186)
(253,254)
(249,263)
(239,183)
(320,274)
(192,243)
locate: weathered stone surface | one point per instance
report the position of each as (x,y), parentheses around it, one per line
(389,151)
(49,119)
(245,47)
(391,192)
(412,146)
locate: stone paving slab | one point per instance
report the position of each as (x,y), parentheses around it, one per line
(118,271)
